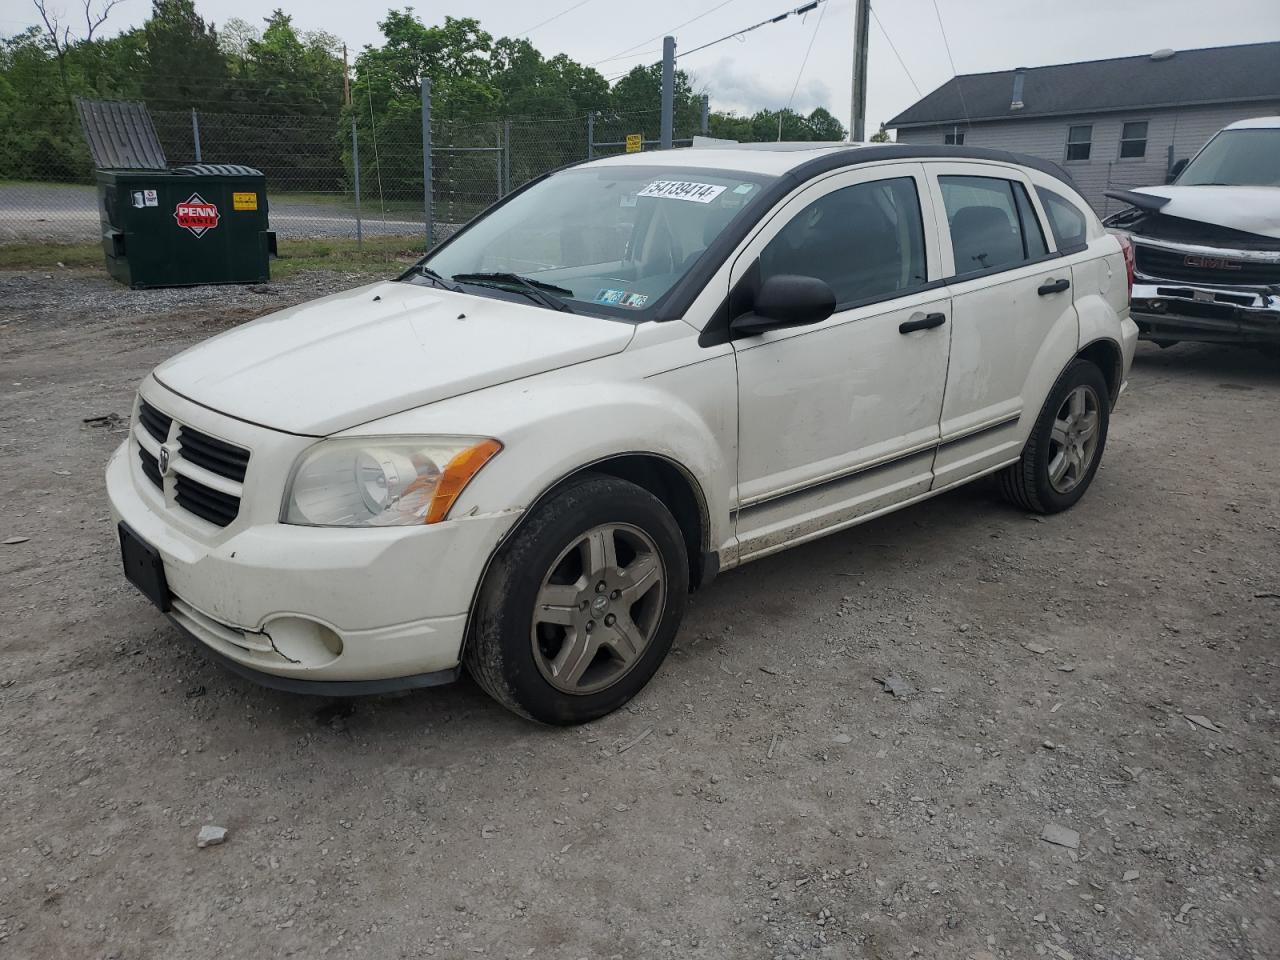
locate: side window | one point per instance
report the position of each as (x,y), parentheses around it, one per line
(1080,141)
(992,223)
(1068,223)
(865,241)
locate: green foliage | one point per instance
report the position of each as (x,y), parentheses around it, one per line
(256,86)
(766,125)
(184,67)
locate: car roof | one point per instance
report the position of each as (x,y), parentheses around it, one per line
(1256,123)
(805,160)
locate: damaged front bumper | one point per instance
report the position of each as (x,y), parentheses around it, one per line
(1173,304)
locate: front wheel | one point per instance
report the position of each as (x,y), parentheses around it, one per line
(581,605)
(1065,447)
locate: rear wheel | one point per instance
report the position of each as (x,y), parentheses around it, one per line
(582,604)
(1065,447)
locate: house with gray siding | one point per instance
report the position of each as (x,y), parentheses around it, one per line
(1113,124)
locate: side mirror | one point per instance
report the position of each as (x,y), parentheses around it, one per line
(1176,169)
(786,300)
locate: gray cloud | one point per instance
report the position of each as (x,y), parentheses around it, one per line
(741,86)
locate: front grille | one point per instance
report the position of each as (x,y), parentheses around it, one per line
(1172,265)
(195,449)
(150,466)
(216,456)
(154,422)
(206,503)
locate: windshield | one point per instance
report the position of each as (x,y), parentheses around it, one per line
(1236,158)
(612,240)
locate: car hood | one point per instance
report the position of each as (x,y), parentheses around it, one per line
(1251,209)
(376,350)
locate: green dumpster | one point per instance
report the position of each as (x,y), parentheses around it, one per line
(202,223)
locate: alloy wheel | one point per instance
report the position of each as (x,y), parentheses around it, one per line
(1073,443)
(598,608)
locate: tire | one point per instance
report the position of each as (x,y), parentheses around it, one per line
(1039,481)
(541,608)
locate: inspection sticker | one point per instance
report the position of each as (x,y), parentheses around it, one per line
(683,190)
(244,201)
(621,298)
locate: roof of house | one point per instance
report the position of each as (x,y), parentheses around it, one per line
(1249,71)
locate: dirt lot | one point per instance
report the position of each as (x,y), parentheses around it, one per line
(764,797)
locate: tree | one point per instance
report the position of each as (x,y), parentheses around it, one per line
(637,102)
(880,136)
(59,33)
(184,68)
(823,126)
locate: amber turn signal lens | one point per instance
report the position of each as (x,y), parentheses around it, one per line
(457,474)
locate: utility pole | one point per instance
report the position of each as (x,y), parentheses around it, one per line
(668,89)
(861,37)
(346,78)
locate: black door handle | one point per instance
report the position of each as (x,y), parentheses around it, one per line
(1053,286)
(927,322)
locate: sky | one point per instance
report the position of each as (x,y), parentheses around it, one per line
(803,61)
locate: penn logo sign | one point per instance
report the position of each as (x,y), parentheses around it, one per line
(196,214)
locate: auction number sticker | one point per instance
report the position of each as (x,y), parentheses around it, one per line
(683,190)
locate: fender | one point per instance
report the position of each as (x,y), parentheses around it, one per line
(552,426)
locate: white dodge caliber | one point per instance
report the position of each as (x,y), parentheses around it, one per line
(625,377)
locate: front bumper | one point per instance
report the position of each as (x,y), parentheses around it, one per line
(310,609)
(1170,310)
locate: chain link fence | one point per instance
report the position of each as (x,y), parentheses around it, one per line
(344,176)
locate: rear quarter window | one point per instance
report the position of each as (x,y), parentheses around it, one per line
(1067,222)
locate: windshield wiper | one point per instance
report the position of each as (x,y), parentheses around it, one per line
(423,270)
(537,290)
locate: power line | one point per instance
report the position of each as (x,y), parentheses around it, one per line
(954,73)
(806,8)
(902,62)
(557,16)
(621,53)
(812,5)
(803,63)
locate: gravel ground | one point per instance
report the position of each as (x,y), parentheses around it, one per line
(764,797)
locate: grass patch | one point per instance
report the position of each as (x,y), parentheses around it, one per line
(378,255)
(49,256)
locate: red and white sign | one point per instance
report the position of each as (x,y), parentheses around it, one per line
(196,215)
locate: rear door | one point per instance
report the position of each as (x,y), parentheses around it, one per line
(1013,325)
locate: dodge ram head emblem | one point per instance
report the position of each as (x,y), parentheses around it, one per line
(1210,263)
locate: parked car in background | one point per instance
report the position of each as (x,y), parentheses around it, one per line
(623,378)
(1207,245)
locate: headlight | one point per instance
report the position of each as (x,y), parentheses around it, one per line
(383,481)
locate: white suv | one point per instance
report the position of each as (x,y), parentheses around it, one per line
(628,375)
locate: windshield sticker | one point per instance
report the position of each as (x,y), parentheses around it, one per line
(683,190)
(744,188)
(628,200)
(621,298)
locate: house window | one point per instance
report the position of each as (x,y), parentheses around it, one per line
(1133,139)
(1079,142)
(955,139)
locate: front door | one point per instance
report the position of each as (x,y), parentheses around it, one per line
(841,419)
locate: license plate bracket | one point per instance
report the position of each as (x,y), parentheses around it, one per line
(144,568)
